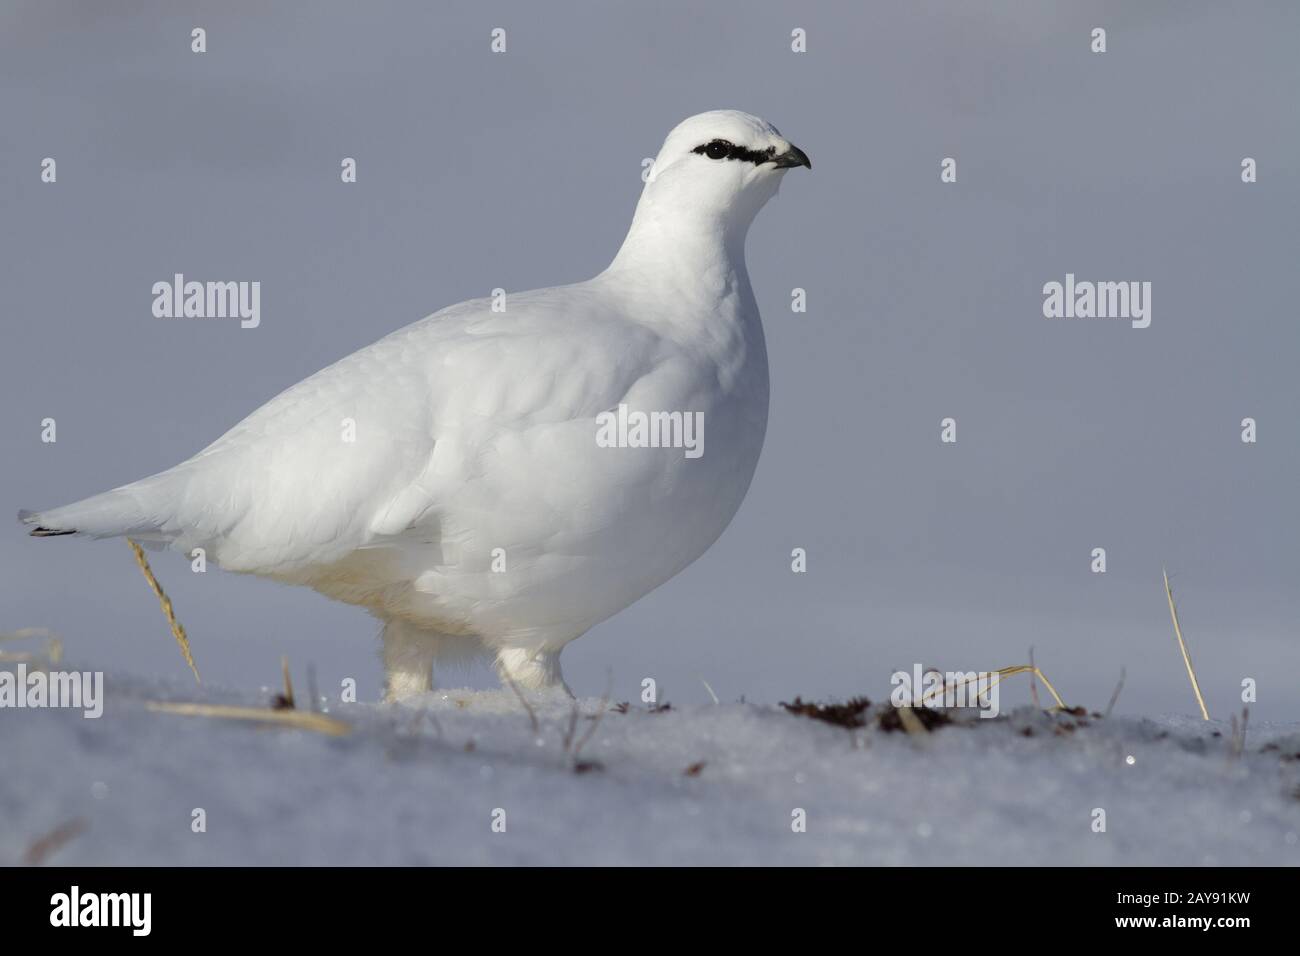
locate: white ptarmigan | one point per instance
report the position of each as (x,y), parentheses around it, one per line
(463,478)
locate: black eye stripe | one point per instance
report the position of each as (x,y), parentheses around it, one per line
(721,149)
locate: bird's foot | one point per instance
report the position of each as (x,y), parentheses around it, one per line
(399,685)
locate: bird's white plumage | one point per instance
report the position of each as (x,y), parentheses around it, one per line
(474,503)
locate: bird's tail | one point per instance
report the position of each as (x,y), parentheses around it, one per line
(111,514)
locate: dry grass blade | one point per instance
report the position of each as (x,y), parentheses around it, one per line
(1033,683)
(1238,746)
(42,847)
(567,740)
(1002,674)
(1182,646)
(29,634)
(1115,696)
(26,634)
(532,714)
(178,631)
(1031,669)
(604,706)
(288,683)
(300,719)
(716,702)
(911,723)
(53,647)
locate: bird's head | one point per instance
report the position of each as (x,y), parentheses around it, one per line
(722,163)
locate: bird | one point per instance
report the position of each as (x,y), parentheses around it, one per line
(506,473)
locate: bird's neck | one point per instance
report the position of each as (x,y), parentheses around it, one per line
(686,267)
(683,250)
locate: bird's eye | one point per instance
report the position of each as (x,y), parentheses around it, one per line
(718,149)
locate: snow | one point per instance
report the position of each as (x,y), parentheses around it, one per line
(419,784)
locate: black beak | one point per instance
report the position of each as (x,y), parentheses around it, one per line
(794,156)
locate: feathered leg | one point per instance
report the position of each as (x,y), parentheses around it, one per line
(408,654)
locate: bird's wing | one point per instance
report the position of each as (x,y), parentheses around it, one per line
(368,449)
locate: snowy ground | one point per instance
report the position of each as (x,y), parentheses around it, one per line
(717,784)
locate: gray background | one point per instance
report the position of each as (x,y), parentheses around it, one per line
(521,170)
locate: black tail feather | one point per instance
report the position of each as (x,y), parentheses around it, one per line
(47,533)
(29,518)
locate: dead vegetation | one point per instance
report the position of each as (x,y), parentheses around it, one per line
(283,711)
(852,713)
(53,647)
(45,846)
(1182,646)
(857,713)
(178,631)
(893,719)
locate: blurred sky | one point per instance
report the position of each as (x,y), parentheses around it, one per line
(924,301)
